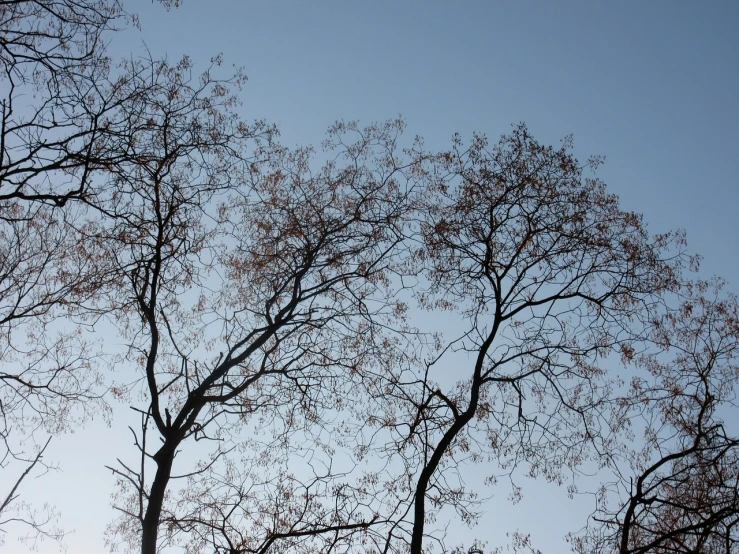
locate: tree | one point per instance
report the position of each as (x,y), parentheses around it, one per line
(303,315)
(51,56)
(679,492)
(266,305)
(543,276)
(48,379)
(290,396)
(60,115)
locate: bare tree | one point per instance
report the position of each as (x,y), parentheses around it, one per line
(542,275)
(680,491)
(61,111)
(269,315)
(286,402)
(249,287)
(50,52)
(48,379)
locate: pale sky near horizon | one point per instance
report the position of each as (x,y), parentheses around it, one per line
(653,86)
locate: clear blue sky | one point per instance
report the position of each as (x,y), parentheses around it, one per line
(653,86)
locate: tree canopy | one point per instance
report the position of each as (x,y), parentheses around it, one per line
(320,342)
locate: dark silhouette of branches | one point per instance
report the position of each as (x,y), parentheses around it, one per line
(291,398)
(543,275)
(680,492)
(217,229)
(61,117)
(51,52)
(14,511)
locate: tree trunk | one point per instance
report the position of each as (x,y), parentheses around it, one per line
(150,531)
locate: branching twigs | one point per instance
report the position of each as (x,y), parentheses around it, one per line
(680,492)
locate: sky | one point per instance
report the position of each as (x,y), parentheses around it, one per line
(653,86)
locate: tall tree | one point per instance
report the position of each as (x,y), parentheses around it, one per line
(291,397)
(61,111)
(543,275)
(51,58)
(248,285)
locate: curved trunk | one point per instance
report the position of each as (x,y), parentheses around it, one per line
(419,511)
(460,421)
